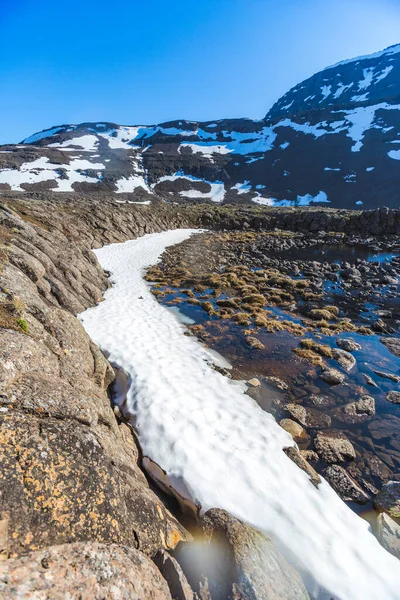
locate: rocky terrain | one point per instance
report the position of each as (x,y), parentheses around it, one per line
(76,510)
(332,139)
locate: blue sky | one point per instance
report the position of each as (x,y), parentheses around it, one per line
(148,61)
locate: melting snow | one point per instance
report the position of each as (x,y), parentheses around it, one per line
(36,137)
(325,91)
(86,142)
(394,154)
(360,97)
(387,52)
(366,82)
(342,88)
(216,446)
(385,72)
(129,184)
(242,188)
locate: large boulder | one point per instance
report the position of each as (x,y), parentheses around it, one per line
(239,562)
(388,533)
(83,571)
(334,447)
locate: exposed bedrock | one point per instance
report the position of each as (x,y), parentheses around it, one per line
(70,481)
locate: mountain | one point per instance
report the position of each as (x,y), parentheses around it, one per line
(332,139)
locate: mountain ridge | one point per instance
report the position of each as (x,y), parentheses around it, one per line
(331,139)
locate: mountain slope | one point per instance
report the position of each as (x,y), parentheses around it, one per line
(331,139)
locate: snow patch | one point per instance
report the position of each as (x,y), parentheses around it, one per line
(36,137)
(395,154)
(85,142)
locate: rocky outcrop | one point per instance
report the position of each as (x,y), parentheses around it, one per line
(83,571)
(68,467)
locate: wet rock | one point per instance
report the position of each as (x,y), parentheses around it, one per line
(276,382)
(254,343)
(334,446)
(332,376)
(385,427)
(310,455)
(393,397)
(392,344)
(239,562)
(356,412)
(308,417)
(299,434)
(348,344)
(385,375)
(321,401)
(344,358)
(344,485)
(381,327)
(172,572)
(388,534)
(82,570)
(369,380)
(299,459)
(388,499)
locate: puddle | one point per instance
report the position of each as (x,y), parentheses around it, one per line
(335,253)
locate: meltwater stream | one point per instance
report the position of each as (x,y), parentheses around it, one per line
(216,445)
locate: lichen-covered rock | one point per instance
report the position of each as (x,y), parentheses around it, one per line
(344,485)
(68,468)
(356,412)
(334,446)
(83,571)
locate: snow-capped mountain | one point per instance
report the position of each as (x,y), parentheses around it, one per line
(332,139)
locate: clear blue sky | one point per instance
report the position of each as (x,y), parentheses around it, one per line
(148,61)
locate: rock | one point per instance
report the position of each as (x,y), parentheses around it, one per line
(355,412)
(388,534)
(254,382)
(393,397)
(308,417)
(310,455)
(302,463)
(82,570)
(345,359)
(344,485)
(238,562)
(370,381)
(348,344)
(172,572)
(332,376)
(382,327)
(385,375)
(321,401)
(276,382)
(253,342)
(388,499)
(392,344)
(299,434)
(333,446)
